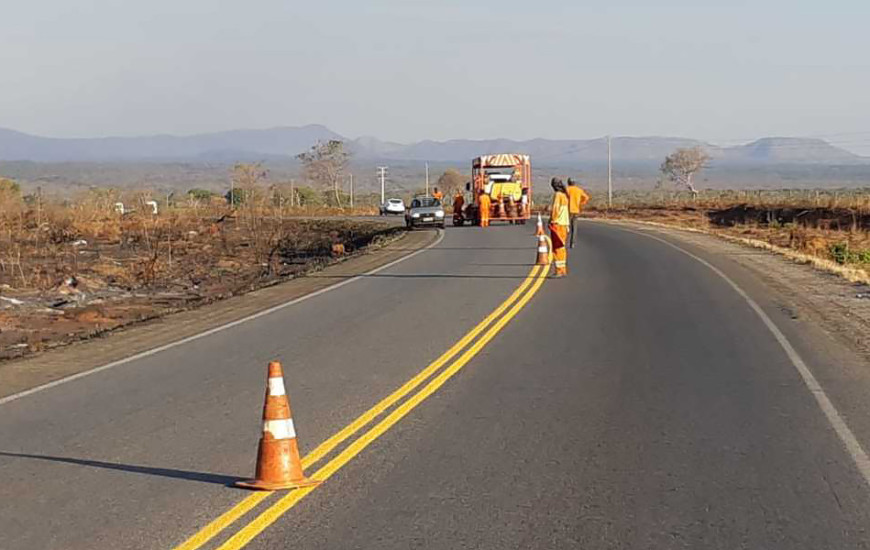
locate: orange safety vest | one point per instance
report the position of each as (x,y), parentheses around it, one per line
(559,210)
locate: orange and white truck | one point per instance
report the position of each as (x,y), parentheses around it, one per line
(507,179)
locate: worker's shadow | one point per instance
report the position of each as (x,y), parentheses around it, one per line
(201,477)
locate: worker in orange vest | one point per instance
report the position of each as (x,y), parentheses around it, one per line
(458,203)
(560,226)
(577,199)
(437,194)
(485,204)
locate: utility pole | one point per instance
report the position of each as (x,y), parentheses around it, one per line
(382,170)
(427,179)
(38,209)
(351,191)
(609,175)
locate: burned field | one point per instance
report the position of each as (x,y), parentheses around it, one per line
(72,272)
(834,228)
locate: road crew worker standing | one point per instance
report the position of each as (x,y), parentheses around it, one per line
(485,205)
(560,222)
(437,194)
(577,199)
(458,202)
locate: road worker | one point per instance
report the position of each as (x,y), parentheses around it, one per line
(577,199)
(437,194)
(560,226)
(458,203)
(485,204)
(524,202)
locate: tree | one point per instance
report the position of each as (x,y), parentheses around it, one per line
(681,166)
(245,178)
(324,164)
(306,196)
(9,188)
(200,194)
(450,182)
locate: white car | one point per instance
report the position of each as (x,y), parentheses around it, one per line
(393,206)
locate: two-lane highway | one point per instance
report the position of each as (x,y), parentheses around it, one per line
(639,403)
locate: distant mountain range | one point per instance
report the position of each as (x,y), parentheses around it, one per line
(285,142)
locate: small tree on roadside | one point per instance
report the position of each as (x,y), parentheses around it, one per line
(200,194)
(246,178)
(681,166)
(9,187)
(325,164)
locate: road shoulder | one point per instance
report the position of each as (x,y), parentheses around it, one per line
(54,365)
(839,307)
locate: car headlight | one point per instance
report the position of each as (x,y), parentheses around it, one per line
(415,215)
(439,214)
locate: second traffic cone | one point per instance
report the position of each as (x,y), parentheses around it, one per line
(543,251)
(540,229)
(278,462)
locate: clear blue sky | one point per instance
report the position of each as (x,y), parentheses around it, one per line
(405,70)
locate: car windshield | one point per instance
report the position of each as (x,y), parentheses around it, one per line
(395,201)
(424,202)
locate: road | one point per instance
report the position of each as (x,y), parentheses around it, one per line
(642,402)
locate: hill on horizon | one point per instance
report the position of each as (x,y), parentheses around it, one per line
(285,142)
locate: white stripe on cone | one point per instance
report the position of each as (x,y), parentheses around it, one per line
(280,429)
(276,387)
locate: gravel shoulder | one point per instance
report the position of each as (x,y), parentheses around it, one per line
(43,368)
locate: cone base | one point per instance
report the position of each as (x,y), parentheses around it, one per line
(261,485)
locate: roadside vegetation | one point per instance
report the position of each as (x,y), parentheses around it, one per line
(72,268)
(829,225)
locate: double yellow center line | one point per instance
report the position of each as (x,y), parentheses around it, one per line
(472,343)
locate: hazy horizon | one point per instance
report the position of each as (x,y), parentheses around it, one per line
(401,71)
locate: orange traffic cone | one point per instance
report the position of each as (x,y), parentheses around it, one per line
(543,251)
(278,463)
(540,229)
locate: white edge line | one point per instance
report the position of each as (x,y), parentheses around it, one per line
(835,419)
(209,332)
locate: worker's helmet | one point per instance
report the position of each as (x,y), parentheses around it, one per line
(557,185)
(571,181)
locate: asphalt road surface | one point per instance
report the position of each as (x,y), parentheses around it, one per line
(641,402)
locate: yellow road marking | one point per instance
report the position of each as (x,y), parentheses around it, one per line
(223,521)
(274,512)
(230,516)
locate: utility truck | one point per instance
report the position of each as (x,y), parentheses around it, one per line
(507,179)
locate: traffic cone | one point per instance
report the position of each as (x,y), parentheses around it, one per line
(540,229)
(543,251)
(278,463)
